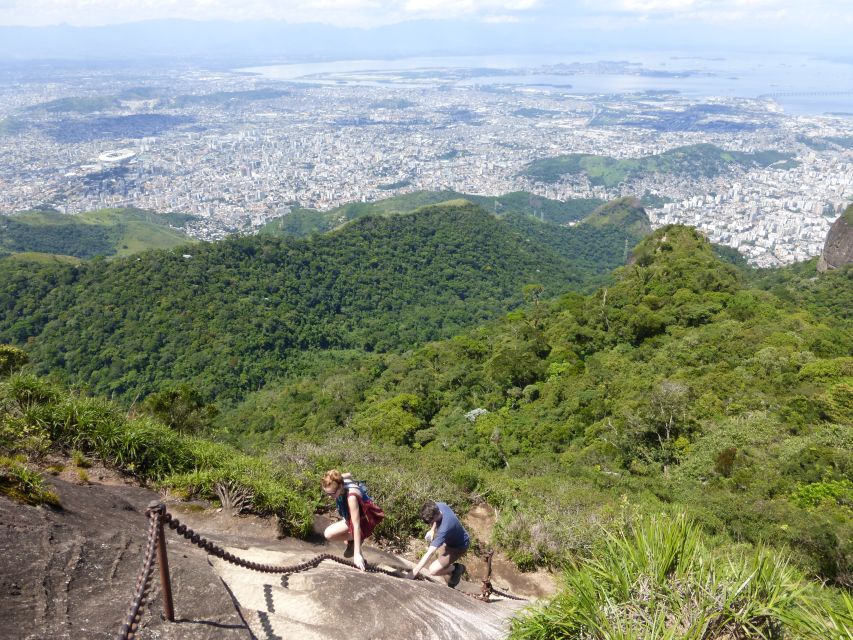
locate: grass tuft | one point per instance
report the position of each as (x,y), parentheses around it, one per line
(22,484)
(660,581)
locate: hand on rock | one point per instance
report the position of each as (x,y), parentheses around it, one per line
(358,559)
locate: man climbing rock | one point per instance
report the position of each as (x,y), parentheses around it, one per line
(445,529)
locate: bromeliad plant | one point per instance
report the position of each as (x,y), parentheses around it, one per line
(37,417)
(20,482)
(660,581)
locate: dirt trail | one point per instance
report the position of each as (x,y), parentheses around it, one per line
(480,522)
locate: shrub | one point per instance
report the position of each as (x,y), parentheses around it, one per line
(827,370)
(395,420)
(725,462)
(838,403)
(550,537)
(660,581)
(20,483)
(811,495)
(82,476)
(17,435)
(29,390)
(79,460)
(11,359)
(181,408)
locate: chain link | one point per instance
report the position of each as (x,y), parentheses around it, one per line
(503,594)
(143,581)
(217,551)
(155,515)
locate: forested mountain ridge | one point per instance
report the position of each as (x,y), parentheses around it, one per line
(596,238)
(303,222)
(233,314)
(105,232)
(702,159)
(677,388)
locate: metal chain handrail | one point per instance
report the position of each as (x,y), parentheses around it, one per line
(158,516)
(504,594)
(143,581)
(215,550)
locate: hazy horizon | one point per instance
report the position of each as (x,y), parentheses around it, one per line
(314,29)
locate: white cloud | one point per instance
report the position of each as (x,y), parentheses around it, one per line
(750,13)
(608,15)
(340,12)
(648,6)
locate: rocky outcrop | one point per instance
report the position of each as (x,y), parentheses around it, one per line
(71,573)
(332,601)
(838,249)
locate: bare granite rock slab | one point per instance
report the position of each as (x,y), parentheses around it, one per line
(71,573)
(329,600)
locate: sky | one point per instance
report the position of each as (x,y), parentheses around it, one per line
(814,15)
(76,29)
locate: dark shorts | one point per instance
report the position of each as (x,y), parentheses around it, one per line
(454,553)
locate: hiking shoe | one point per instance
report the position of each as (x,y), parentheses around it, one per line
(349,552)
(456,576)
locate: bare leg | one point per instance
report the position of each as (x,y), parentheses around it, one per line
(441,566)
(337,531)
(444,564)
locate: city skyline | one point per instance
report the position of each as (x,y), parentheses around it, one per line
(237,150)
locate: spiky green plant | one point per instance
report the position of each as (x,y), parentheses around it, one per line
(831,619)
(35,416)
(20,483)
(660,581)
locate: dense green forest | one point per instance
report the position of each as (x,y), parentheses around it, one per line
(236,314)
(679,380)
(694,160)
(302,222)
(678,440)
(105,232)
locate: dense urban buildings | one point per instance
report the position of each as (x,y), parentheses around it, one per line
(236,149)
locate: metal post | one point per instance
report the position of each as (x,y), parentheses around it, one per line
(163,561)
(486,588)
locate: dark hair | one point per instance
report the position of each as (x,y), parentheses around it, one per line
(429,512)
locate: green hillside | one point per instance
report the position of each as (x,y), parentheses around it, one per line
(39,258)
(78,104)
(603,238)
(302,222)
(235,314)
(105,232)
(676,389)
(698,160)
(86,105)
(679,443)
